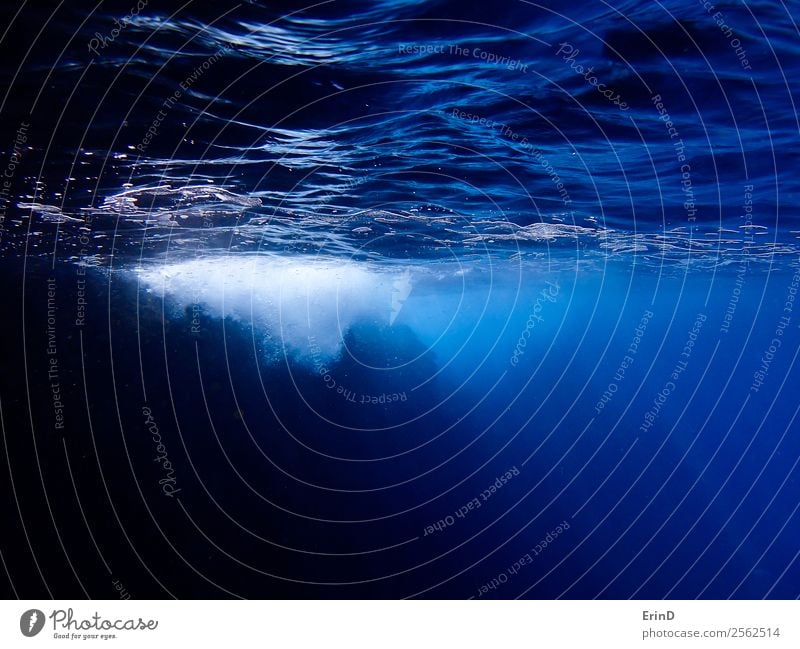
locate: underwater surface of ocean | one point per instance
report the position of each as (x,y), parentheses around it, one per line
(399,299)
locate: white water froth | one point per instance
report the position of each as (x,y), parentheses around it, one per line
(309,303)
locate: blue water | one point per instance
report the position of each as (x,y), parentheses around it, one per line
(394,299)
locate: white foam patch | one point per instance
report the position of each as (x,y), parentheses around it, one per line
(308,302)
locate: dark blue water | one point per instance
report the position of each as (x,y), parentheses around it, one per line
(396,299)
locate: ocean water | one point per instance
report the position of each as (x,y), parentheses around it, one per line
(401,300)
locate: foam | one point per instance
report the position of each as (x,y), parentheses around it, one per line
(296,298)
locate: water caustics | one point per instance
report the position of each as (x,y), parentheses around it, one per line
(359,263)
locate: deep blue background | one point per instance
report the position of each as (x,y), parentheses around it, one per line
(287,490)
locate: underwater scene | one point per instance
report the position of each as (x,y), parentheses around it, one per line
(389,299)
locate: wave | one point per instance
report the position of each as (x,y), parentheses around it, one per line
(308,304)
